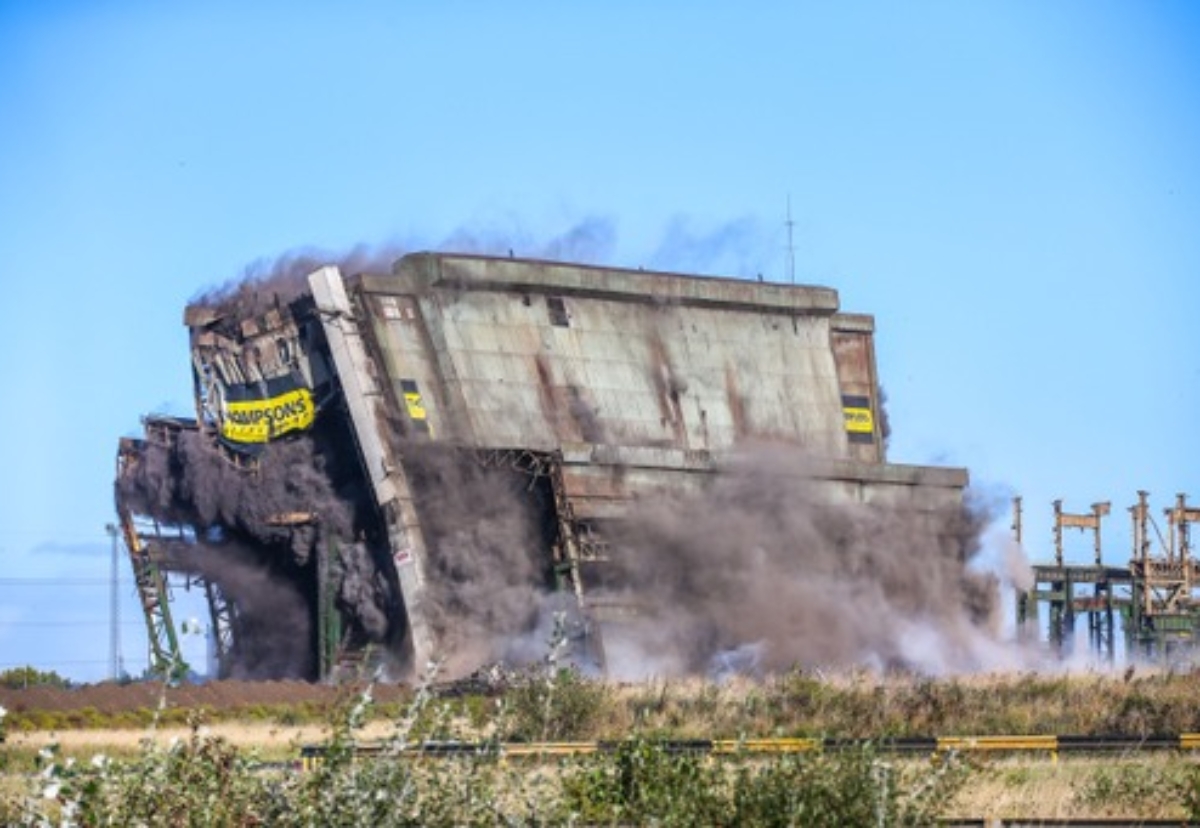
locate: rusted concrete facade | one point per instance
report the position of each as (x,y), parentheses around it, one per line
(625,382)
(604,384)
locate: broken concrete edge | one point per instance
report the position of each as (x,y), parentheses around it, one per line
(419,272)
(388,480)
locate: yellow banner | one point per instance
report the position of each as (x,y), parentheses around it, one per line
(258,421)
(416,408)
(859,420)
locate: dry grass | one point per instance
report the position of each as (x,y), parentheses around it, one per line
(272,740)
(842,705)
(863,705)
(1023,787)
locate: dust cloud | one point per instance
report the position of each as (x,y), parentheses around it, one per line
(761,573)
(488,531)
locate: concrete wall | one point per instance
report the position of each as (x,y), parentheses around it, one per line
(622,383)
(509,353)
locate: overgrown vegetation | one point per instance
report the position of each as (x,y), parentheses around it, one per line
(1128,785)
(89,718)
(203,780)
(799,703)
(645,783)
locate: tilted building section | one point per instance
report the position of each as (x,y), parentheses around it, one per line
(560,391)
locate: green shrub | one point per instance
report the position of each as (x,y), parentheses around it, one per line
(562,705)
(291,715)
(643,782)
(1131,784)
(18,678)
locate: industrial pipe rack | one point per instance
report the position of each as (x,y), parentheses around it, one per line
(1154,595)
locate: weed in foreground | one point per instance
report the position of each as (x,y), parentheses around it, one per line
(202,780)
(644,782)
(1130,786)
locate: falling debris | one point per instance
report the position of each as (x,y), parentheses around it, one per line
(451,459)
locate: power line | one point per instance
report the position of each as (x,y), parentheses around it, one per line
(94,623)
(54,582)
(50,665)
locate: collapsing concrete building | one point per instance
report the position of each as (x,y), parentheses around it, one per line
(446,461)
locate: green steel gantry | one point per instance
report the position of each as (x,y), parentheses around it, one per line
(1154,596)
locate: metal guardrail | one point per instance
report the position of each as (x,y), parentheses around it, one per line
(1052,745)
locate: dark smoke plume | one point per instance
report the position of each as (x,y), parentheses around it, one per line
(272,624)
(590,241)
(267,283)
(193,483)
(246,544)
(740,247)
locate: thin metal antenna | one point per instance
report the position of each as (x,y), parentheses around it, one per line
(791,247)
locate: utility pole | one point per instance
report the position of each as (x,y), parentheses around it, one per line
(114,610)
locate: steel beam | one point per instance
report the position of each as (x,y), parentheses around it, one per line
(363,399)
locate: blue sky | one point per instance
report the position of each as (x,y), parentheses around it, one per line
(1011,188)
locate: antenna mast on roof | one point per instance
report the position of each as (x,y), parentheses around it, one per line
(791,248)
